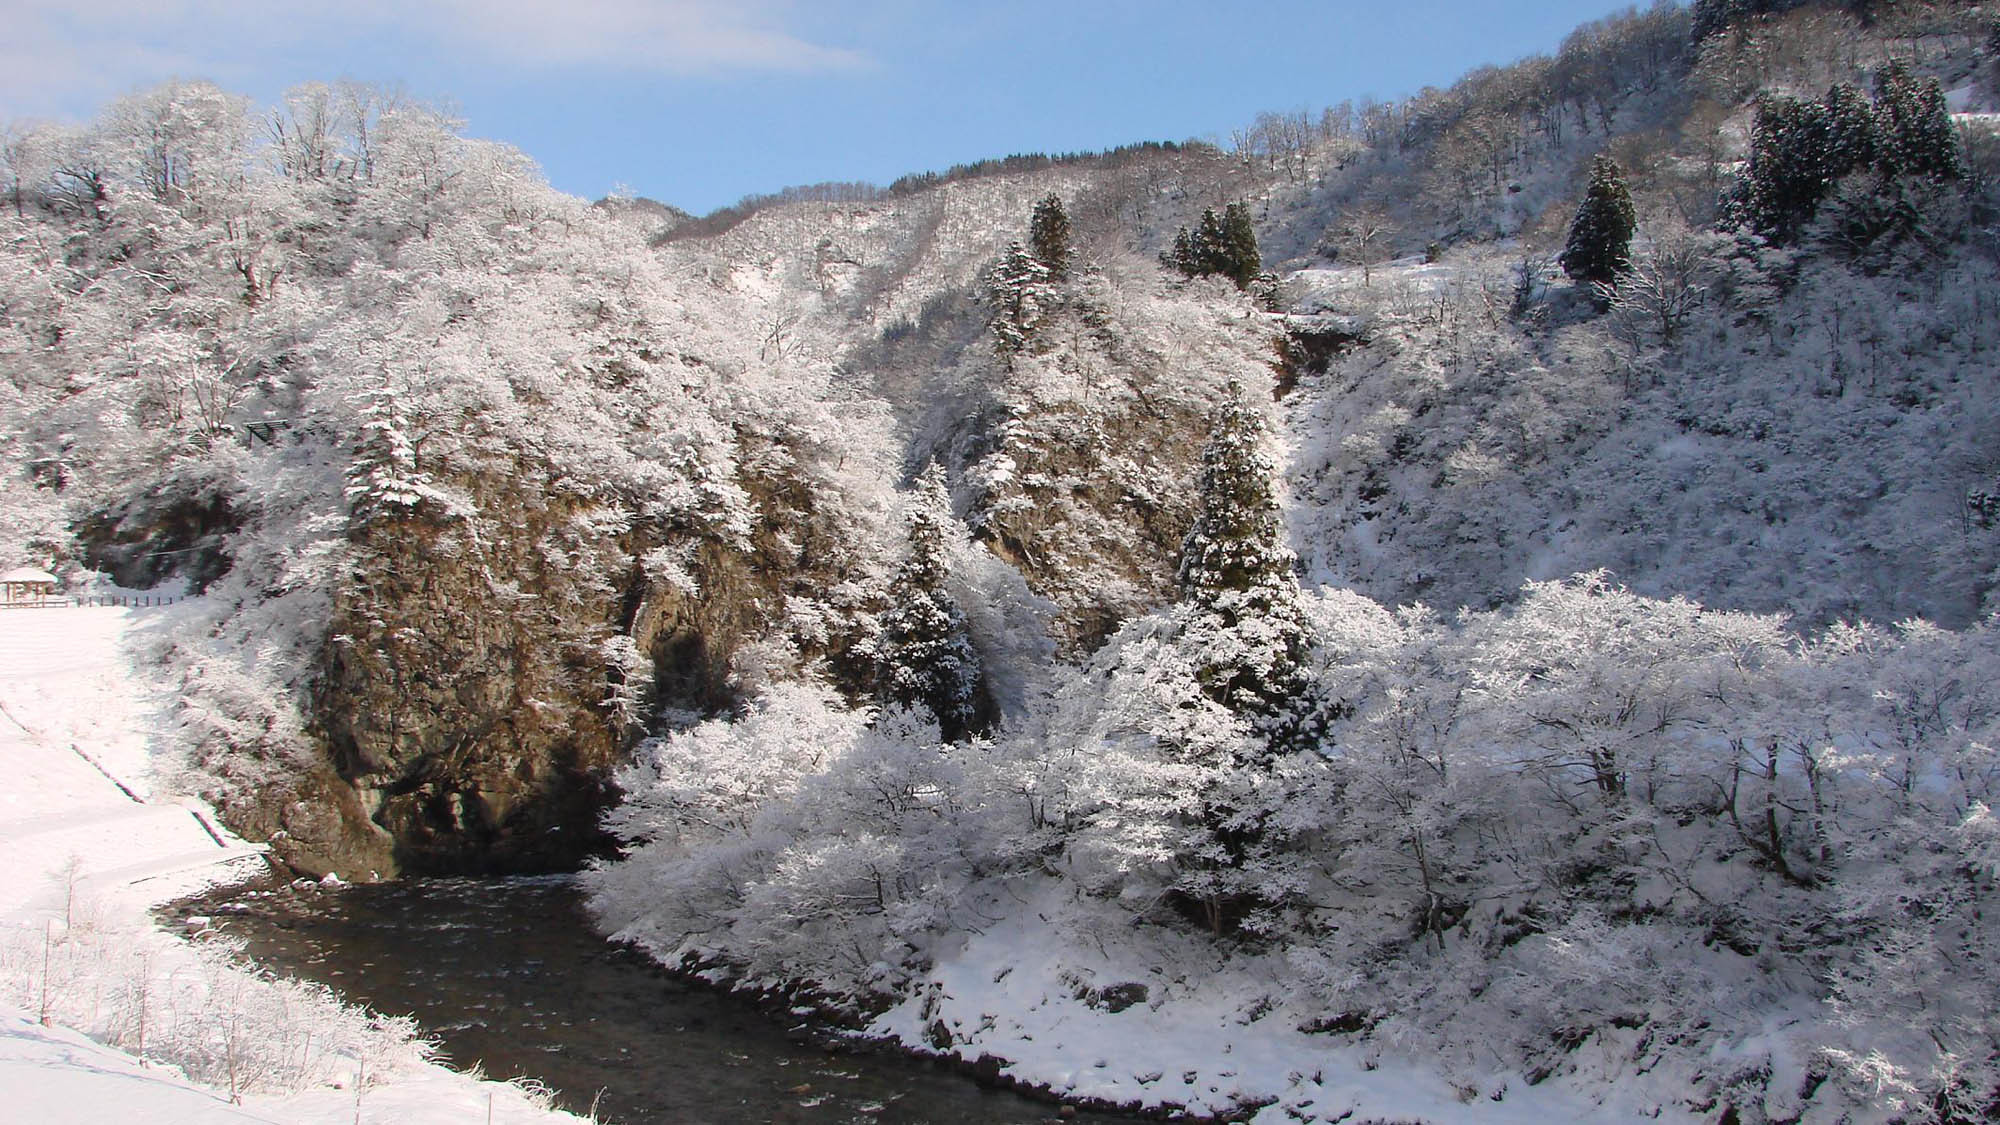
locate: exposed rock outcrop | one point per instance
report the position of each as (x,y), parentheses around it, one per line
(485,669)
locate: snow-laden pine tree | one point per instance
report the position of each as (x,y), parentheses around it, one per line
(1193,721)
(1790,171)
(1600,237)
(1018,287)
(1852,131)
(384,479)
(1180,256)
(925,656)
(1224,244)
(1238,589)
(1802,150)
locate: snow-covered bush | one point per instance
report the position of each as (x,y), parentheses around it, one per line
(802,841)
(197,1008)
(1590,817)
(1595,812)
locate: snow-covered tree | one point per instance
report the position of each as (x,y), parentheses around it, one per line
(1018,287)
(1223,244)
(1791,168)
(384,480)
(1662,285)
(1239,593)
(797,839)
(1172,800)
(1800,149)
(1240,262)
(1853,132)
(925,656)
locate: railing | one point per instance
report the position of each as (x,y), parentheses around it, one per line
(66,601)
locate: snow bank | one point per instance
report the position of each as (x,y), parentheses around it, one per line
(1154,1022)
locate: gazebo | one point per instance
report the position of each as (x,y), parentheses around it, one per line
(25,585)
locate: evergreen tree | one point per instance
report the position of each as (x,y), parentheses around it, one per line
(1600,237)
(1917,137)
(1049,237)
(1206,245)
(1240,261)
(1181,257)
(1801,150)
(1791,166)
(1223,244)
(1236,577)
(924,655)
(1018,288)
(384,481)
(1853,137)
(1244,634)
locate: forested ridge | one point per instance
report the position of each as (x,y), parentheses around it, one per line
(1494,584)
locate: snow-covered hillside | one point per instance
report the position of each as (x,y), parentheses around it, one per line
(1472,681)
(1812,445)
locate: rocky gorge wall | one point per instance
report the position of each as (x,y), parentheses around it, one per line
(485,669)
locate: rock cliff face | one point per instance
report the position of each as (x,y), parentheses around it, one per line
(464,691)
(1082,456)
(485,670)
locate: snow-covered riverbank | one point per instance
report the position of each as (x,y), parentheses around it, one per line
(95,836)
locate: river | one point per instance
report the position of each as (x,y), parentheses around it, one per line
(509,975)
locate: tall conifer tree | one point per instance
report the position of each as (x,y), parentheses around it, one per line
(1240,260)
(1600,237)
(1918,138)
(925,656)
(1236,574)
(1224,244)
(1018,289)
(1049,236)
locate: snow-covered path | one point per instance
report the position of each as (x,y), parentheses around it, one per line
(92,837)
(80,812)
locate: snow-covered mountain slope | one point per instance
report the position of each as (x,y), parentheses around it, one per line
(1814,445)
(1594,714)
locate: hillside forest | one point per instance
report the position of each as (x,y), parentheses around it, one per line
(1496,582)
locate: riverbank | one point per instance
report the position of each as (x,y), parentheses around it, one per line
(102,1015)
(1155,1025)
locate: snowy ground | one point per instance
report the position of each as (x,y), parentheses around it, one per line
(93,838)
(1178,1040)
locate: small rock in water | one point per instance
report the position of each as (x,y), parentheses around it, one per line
(802,1088)
(196,922)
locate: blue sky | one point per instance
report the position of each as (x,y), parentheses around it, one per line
(698,102)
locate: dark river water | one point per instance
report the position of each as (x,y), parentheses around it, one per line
(508,974)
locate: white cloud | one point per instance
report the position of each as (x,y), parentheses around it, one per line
(673,35)
(62,56)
